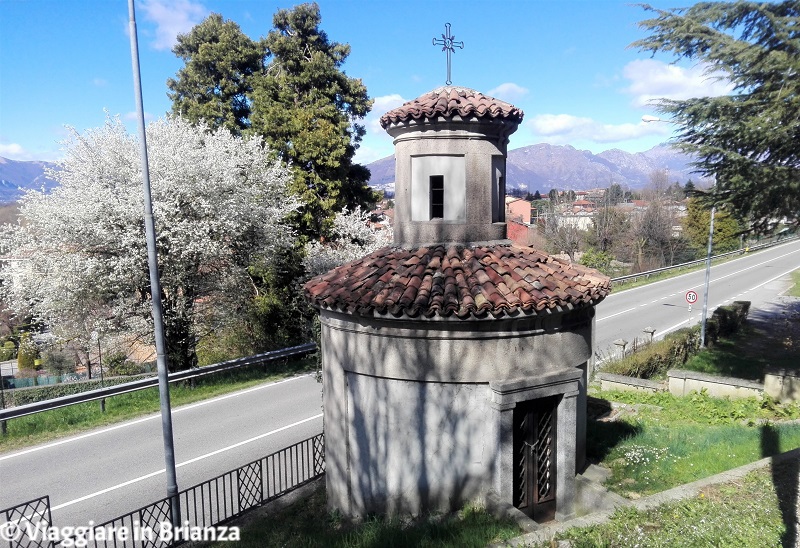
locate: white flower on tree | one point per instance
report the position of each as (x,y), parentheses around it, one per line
(353,238)
(218,202)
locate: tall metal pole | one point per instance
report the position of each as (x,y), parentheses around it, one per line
(708,278)
(155,284)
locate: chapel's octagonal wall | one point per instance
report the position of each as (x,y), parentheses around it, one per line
(412,422)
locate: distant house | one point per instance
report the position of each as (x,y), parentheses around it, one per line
(518,209)
(583,206)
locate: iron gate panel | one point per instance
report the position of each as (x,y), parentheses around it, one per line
(16,521)
(534,490)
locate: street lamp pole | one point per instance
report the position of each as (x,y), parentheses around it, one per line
(155,285)
(647,119)
(708,278)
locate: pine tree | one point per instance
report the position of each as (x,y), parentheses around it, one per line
(304,106)
(214,85)
(746,140)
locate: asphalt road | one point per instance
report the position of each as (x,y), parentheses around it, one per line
(663,306)
(111,471)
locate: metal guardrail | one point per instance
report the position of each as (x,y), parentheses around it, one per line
(100,393)
(207,504)
(623,279)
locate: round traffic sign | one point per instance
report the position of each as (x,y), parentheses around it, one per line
(691,297)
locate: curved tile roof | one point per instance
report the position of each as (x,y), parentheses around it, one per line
(450,101)
(455,280)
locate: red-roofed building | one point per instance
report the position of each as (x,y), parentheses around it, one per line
(441,351)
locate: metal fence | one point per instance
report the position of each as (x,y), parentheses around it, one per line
(26,525)
(213,502)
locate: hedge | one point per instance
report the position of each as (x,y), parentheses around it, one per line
(656,358)
(33,394)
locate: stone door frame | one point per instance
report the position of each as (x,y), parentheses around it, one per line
(505,395)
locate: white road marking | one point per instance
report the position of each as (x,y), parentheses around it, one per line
(710,307)
(665,280)
(149,417)
(616,314)
(190,461)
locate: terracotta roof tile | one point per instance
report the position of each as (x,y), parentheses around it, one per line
(455,280)
(451,101)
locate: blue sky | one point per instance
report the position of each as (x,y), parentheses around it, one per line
(564,62)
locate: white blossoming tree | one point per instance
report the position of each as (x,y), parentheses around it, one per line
(78,259)
(353,238)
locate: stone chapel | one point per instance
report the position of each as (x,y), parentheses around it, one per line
(454,362)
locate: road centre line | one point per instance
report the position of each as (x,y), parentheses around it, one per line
(713,280)
(144,419)
(185,463)
(676,326)
(718,278)
(616,314)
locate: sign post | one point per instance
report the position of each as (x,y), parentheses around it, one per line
(691,298)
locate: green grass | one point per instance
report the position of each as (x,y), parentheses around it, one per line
(749,512)
(795,289)
(751,351)
(48,425)
(307,523)
(670,440)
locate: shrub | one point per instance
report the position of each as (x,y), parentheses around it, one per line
(57,362)
(8,351)
(726,320)
(654,359)
(26,356)
(118,363)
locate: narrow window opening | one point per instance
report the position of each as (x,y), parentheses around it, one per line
(437,196)
(499,201)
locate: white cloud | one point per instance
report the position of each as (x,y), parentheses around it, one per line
(366,155)
(376,143)
(381,106)
(13,151)
(651,79)
(99,82)
(565,128)
(508,91)
(133,116)
(172,17)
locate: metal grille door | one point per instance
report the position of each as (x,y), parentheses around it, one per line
(535,458)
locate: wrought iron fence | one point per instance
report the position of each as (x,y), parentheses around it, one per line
(26,525)
(213,502)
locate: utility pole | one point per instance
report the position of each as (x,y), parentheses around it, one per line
(708,278)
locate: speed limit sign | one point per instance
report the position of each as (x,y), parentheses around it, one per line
(691,297)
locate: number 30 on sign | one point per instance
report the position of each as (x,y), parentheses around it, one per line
(691,297)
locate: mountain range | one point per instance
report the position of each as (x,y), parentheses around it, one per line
(17,176)
(535,167)
(543,166)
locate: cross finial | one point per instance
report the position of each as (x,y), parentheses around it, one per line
(448,44)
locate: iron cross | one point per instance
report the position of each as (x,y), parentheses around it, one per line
(448,44)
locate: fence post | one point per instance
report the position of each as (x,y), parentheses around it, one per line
(621,343)
(3,427)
